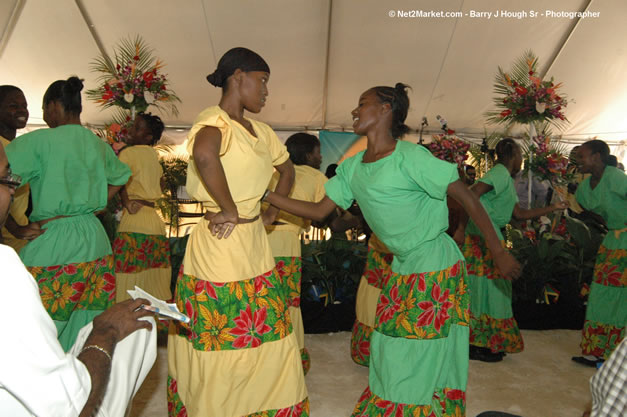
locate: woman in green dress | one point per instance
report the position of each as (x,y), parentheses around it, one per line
(493,328)
(419,346)
(604,193)
(72,173)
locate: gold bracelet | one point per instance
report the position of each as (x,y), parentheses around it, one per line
(97,348)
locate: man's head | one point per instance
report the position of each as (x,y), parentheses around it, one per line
(8,184)
(471,174)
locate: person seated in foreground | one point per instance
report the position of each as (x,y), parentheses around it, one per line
(103,370)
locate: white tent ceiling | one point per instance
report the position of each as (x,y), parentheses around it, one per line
(324,53)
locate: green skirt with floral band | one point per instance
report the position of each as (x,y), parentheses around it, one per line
(492,322)
(245,322)
(606,314)
(377,267)
(419,346)
(73,294)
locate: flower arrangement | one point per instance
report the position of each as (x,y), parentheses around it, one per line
(449,148)
(523,97)
(134,82)
(546,161)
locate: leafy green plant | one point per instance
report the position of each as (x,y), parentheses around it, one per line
(334,267)
(174,176)
(562,256)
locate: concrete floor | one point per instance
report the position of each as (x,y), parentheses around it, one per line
(539,382)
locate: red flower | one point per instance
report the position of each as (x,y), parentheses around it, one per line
(109,284)
(136,57)
(455,394)
(79,288)
(148,78)
(205,286)
(262,281)
(422,284)
(385,308)
(294,411)
(506,113)
(609,275)
(248,326)
(521,90)
(437,310)
(454,270)
(375,276)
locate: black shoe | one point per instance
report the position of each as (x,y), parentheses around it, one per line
(485,355)
(587,362)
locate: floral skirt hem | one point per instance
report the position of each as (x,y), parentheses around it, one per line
(498,335)
(360,343)
(445,402)
(76,286)
(176,408)
(600,339)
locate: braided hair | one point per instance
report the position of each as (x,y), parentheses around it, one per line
(600,147)
(299,145)
(155,125)
(399,101)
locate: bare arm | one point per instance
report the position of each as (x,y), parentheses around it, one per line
(207,160)
(112,190)
(506,263)
(109,328)
(524,214)
(130,205)
(314,211)
(283,187)
(28,232)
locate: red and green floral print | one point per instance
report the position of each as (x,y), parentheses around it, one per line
(600,339)
(176,408)
(609,268)
(136,252)
(479,260)
(290,270)
(498,335)
(233,315)
(445,403)
(377,268)
(77,286)
(360,343)
(425,305)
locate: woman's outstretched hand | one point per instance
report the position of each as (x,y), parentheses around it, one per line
(507,265)
(222,224)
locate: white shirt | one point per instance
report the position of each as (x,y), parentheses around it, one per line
(36,376)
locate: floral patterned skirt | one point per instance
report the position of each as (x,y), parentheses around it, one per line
(606,314)
(419,346)
(492,322)
(73,294)
(142,260)
(238,356)
(290,271)
(377,267)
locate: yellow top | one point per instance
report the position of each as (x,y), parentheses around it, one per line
(308,186)
(145,182)
(17,211)
(247,160)
(248,164)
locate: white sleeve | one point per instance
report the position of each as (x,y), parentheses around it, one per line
(36,374)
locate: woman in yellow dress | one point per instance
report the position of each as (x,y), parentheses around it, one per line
(141,250)
(304,150)
(238,356)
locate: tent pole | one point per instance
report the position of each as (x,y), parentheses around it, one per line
(8,30)
(563,45)
(325,86)
(92,29)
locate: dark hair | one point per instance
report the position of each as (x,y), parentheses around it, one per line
(600,147)
(505,149)
(330,172)
(299,145)
(467,167)
(242,58)
(399,101)
(612,161)
(67,92)
(5,90)
(154,124)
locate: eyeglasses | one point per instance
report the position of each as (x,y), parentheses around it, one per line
(11,180)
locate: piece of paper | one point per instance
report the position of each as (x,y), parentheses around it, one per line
(159,306)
